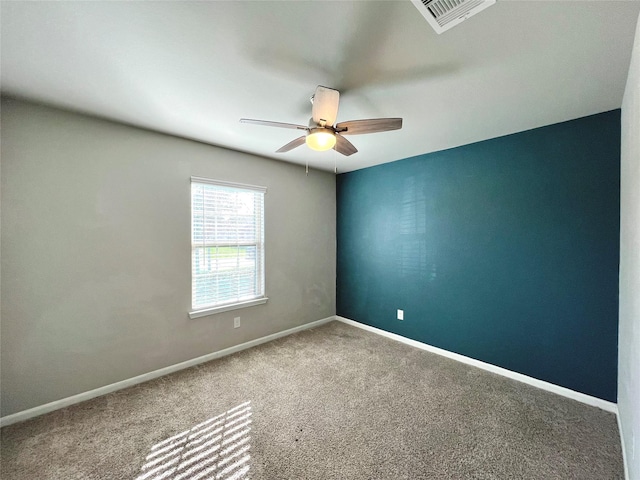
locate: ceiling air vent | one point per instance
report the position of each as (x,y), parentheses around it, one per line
(444,14)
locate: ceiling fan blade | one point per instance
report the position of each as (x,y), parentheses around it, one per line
(344,146)
(291,145)
(371,125)
(325,106)
(268,123)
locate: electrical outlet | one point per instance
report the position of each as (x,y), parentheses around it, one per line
(236,322)
(400,314)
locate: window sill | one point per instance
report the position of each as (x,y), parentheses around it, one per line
(225,308)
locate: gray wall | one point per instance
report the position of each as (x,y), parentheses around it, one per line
(96,252)
(629,329)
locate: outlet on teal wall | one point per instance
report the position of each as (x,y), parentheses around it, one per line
(505,251)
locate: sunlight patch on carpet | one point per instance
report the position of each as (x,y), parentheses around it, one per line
(217,449)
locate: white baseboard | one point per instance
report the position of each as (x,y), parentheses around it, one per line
(622,443)
(81,397)
(565,392)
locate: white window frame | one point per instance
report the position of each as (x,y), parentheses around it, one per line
(258,300)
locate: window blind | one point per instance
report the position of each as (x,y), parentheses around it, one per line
(227,243)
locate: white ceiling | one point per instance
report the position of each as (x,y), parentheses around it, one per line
(193,69)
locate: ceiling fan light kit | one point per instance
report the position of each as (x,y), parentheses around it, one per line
(320,139)
(322,134)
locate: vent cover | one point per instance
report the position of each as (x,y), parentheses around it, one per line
(444,14)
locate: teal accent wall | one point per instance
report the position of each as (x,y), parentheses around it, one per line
(505,251)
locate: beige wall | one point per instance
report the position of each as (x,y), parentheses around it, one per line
(629,330)
(96,252)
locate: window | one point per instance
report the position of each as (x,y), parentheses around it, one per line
(227,246)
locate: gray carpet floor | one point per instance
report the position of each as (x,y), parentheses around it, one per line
(335,402)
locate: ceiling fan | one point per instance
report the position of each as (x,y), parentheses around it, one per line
(321,133)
